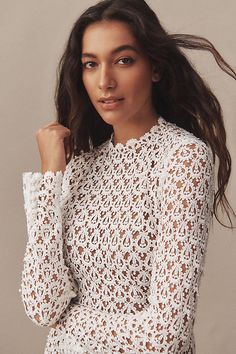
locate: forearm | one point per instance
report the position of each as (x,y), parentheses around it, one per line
(47,285)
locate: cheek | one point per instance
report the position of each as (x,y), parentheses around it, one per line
(139,85)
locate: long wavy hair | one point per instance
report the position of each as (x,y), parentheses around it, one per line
(181,96)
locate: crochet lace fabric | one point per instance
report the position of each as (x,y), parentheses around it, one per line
(117,243)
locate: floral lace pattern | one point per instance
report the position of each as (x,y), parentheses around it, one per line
(117,244)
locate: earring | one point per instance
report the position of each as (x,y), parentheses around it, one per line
(155,77)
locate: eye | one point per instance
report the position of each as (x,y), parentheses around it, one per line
(131,60)
(84,65)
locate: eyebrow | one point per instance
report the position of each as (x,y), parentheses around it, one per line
(114,51)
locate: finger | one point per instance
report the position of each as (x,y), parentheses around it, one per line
(51,124)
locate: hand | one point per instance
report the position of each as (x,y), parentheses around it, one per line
(50,139)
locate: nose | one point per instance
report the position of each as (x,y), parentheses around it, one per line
(106,79)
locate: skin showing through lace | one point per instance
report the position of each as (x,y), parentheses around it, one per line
(126,277)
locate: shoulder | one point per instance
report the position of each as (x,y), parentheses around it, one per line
(188,168)
(186,159)
(78,163)
(75,169)
(183,147)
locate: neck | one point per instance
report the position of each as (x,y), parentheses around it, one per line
(133,131)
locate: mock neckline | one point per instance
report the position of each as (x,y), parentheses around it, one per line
(134,143)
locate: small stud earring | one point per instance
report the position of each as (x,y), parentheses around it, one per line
(155,77)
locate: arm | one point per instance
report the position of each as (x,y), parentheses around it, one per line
(184,221)
(47,285)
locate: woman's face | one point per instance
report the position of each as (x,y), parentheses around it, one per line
(123,73)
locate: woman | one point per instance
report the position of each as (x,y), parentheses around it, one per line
(119,216)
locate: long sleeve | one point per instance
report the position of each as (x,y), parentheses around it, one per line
(166,325)
(47,285)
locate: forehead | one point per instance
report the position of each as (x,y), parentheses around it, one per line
(105,35)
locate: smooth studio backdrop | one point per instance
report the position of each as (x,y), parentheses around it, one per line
(32,37)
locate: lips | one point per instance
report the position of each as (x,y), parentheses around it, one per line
(111,104)
(111,101)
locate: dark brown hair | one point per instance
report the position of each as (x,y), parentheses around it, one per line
(190,103)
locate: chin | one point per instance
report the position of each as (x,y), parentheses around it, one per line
(111,117)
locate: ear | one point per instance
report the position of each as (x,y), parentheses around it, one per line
(155,75)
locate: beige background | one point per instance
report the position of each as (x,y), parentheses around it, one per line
(32,37)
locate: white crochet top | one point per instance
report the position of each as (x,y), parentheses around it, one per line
(117,243)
